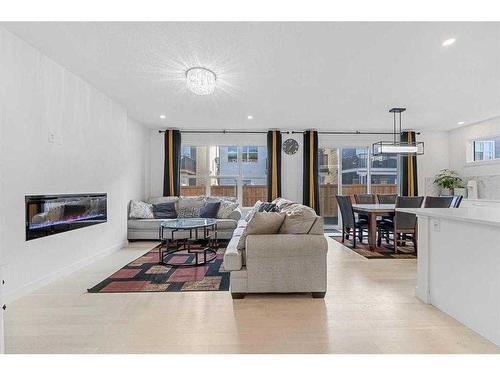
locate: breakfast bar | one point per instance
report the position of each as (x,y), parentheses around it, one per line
(459,265)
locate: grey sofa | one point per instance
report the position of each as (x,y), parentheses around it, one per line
(148,229)
(278,263)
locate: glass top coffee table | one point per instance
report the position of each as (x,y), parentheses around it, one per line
(195,236)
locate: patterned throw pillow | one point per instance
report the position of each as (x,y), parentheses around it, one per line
(141,210)
(225,209)
(188,212)
(252,212)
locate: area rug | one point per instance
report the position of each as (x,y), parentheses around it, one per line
(145,274)
(381,252)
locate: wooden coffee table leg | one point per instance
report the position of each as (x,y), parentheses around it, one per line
(372,232)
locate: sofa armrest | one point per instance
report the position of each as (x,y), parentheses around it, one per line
(235,215)
(285,245)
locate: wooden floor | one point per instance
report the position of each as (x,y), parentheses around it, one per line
(369,308)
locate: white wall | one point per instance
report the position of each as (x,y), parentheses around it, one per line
(96,149)
(434,159)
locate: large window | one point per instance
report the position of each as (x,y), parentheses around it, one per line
(230,171)
(486,149)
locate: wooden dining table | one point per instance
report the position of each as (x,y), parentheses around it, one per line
(372,211)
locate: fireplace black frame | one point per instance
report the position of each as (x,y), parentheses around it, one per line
(48,230)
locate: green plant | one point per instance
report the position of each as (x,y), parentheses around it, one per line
(448,179)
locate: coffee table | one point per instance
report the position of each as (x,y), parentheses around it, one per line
(188,234)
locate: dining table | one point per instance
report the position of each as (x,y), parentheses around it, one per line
(373,211)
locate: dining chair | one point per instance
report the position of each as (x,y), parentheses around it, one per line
(457,199)
(438,202)
(387,198)
(349,220)
(364,199)
(404,226)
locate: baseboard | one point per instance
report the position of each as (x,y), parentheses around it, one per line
(43,281)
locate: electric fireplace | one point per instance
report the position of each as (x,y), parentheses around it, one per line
(52,214)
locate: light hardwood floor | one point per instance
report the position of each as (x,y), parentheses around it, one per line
(369,308)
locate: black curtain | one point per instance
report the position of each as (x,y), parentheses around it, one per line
(408,175)
(273,165)
(310,170)
(171,168)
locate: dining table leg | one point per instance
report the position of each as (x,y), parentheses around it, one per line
(372,231)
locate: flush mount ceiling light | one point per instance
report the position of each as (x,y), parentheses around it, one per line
(201,81)
(163,117)
(250,117)
(448,42)
(460,122)
(396,146)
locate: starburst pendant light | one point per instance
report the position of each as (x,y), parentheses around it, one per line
(396,146)
(201,81)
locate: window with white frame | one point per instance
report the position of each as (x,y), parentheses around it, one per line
(230,171)
(486,149)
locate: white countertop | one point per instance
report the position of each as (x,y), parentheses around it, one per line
(482,215)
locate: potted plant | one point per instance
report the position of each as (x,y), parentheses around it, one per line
(448,180)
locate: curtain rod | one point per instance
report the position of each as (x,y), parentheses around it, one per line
(224,131)
(282,132)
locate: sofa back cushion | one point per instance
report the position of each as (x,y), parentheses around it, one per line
(164,210)
(210,210)
(299,219)
(262,223)
(140,210)
(158,200)
(192,202)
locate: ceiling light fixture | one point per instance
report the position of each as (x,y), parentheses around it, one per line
(163,117)
(396,146)
(460,122)
(250,117)
(201,81)
(448,42)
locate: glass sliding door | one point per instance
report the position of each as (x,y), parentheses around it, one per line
(354,171)
(328,160)
(384,174)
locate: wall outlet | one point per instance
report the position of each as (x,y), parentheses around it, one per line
(436,225)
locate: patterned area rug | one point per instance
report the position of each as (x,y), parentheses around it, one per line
(383,252)
(145,274)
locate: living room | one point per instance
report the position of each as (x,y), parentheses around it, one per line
(228,180)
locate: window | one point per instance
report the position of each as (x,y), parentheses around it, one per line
(486,149)
(250,154)
(384,174)
(229,171)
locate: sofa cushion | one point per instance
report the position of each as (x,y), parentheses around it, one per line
(281,203)
(164,210)
(233,257)
(145,224)
(262,223)
(192,202)
(318,226)
(188,212)
(140,210)
(157,200)
(242,223)
(226,208)
(298,219)
(226,224)
(209,210)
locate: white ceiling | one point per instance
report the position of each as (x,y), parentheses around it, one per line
(330,76)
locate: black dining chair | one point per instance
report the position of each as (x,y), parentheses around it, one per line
(349,221)
(387,198)
(364,199)
(438,202)
(457,199)
(404,226)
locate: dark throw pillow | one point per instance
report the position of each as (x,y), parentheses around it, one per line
(209,211)
(268,207)
(164,210)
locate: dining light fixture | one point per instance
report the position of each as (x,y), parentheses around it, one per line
(201,81)
(397,146)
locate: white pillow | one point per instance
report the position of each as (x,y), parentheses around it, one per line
(141,210)
(225,209)
(252,212)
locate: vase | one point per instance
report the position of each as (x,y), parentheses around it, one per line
(445,191)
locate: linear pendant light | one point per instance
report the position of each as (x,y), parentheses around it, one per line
(396,146)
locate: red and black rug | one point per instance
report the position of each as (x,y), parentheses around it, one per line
(381,252)
(145,274)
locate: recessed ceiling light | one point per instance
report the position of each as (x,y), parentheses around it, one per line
(461,122)
(163,117)
(448,42)
(250,117)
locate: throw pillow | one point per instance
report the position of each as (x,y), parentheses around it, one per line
(268,207)
(252,212)
(141,210)
(262,223)
(282,203)
(196,202)
(225,209)
(298,219)
(210,210)
(188,212)
(164,210)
